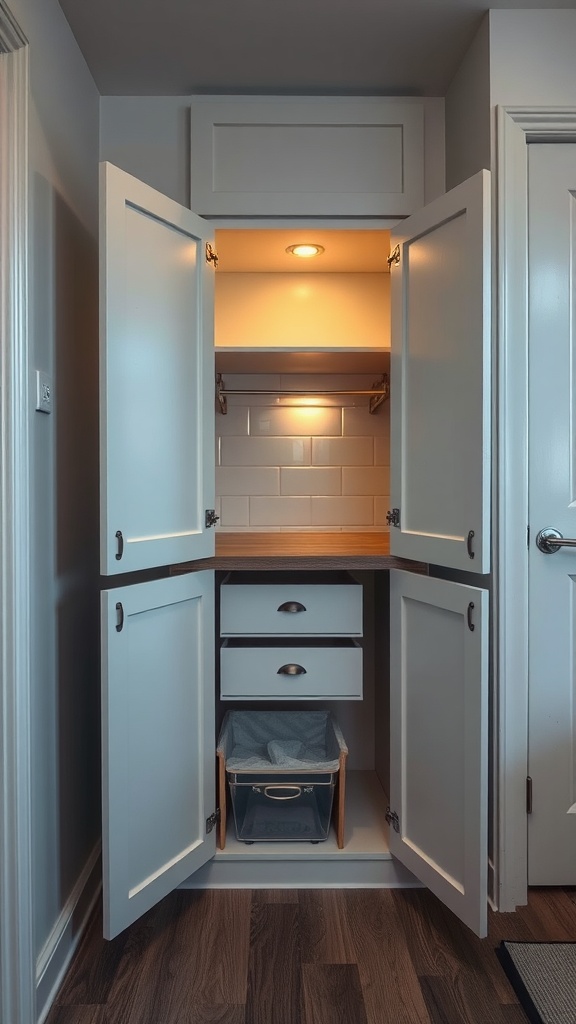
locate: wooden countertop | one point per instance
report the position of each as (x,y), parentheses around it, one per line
(302,551)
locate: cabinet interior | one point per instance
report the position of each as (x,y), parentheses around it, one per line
(319,324)
(365,725)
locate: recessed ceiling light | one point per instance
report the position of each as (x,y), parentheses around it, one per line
(305,250)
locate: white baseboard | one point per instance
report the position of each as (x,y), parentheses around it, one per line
(56,955)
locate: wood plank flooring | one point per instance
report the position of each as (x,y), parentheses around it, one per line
(314,956)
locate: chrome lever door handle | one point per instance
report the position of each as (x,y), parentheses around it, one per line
(550,540)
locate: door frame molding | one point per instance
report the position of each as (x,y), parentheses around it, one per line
(17,967)
(515,128)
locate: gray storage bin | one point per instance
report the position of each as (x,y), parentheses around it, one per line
(283,768)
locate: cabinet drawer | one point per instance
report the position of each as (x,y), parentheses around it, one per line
(306,671)
(290,608)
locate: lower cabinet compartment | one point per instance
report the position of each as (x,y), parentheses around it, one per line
(364,861)
(271,669)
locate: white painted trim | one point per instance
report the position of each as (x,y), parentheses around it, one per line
(17,980)
(60,946)
(516,126)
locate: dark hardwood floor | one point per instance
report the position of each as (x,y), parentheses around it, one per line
(345,956)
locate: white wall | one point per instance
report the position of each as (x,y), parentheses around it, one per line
(63,140)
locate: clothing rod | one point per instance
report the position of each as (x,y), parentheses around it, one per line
(311,393)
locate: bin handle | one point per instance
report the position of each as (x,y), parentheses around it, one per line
(297,791)
(291,670)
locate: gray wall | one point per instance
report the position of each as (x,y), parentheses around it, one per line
(533,57)
(468,112)
(517,58)
(64,128)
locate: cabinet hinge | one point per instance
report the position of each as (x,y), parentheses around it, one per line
(210,518)
(392,819)
(393,517)
(212,821)
(394,257)
(211,255)
(528,794)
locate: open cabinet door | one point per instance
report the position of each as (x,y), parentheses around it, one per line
(158,764)
(156,378)
(440,375)
(439,739)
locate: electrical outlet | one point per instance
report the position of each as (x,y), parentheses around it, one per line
(44,392)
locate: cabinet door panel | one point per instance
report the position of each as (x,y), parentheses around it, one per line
(364,156)
(440,369)
(157,735)
(157,448)
(439,738)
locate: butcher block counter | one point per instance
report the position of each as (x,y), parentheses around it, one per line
(302,551)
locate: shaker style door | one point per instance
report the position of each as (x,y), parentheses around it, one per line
(157,737)
(156,378)
(439,739)
(440,375)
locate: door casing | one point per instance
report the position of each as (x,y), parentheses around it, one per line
(515,128)
(17,961)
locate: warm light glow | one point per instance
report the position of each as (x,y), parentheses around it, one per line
(305,250)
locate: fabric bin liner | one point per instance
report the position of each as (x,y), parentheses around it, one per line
(280,741)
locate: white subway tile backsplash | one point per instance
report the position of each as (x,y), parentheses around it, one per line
(252,382)
(248,480)
(283,511)
(309,529)
(304,421)
(382,451)
(342,451)
(287,467)
(234,511)
(381,507)
(358,422)
(343,511)
(311,481)
(265,451)
(235,422)
(365,480)
(249,529)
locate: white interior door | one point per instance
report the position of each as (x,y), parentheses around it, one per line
(439,738)
(158,775)
(157,378)
(440,373)
(552,503)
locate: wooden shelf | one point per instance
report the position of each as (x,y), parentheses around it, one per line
(275,360)
(306,550)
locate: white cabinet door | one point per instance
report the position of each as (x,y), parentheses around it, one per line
(440,371)
(439,738)
(156,378)
(158,740)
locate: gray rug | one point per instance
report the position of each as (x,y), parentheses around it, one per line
(543,975)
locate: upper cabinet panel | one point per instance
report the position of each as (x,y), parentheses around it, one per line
(271,156)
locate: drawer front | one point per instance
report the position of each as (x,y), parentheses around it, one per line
(281,672)
(291,609)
